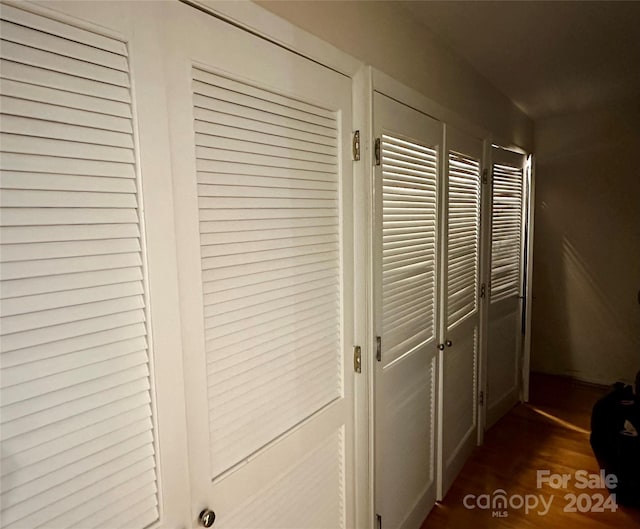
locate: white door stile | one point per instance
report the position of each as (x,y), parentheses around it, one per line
(364,299)
(441,320)
(528,307)
(157,192)
(485,268)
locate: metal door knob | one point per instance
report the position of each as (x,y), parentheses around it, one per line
(448,343)
(206,518)
(441,346)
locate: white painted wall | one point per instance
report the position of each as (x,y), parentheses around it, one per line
(586,315)
(386,36)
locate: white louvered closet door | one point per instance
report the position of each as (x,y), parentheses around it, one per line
(263,200)
(405,287)
(504,332)
(461,315)
(79,428)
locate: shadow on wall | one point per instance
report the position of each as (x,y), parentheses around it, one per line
(586,315)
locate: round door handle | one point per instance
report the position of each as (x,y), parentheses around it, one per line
(206,518)
(441,346)
(448,343)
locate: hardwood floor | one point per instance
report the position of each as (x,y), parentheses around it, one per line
(550,432)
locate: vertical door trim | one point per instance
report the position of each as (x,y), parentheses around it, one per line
(440,326)
(364,401)
(485,276)
(528,287)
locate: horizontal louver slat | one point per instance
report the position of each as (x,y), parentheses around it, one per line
(18,106)
(239,89)
(53,27)
(255,112)
(18,372)
(61,46)
(284,108)
(41,164)
(129,507)
(50,390)
(28,127)
(45,146)
(62,81)
(269,236)
(207,120)
(59,448)
(48,60)
(51,96)
(210,132)
(76,419)
(506,225)
(31,234)
(463,233)
(409,178)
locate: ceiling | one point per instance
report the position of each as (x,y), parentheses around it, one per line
(548,57)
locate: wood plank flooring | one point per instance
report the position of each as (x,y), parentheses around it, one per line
(550,432)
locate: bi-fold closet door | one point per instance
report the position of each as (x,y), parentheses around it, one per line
(506,285)
(87,350)
(177,259)
(426,247)
(263,200)
(409,150)
(460,324)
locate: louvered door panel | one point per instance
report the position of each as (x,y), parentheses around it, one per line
(409,174)
(269,233)
(460,323)
(504,340)
(463,235)
(506,226)
(405,208)
(78,445)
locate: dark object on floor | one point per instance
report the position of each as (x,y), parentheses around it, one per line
(615,439)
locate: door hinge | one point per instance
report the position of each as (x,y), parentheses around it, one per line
(483,290)
(376,150)
(379,348)
(357,359)
(378,521)
(481,398)
(485,175)
(356,146)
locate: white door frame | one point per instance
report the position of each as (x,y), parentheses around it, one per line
(530,182)
(485,274)
(363,175)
